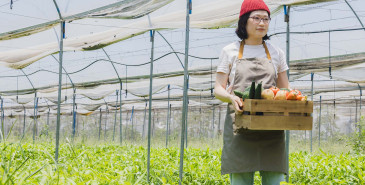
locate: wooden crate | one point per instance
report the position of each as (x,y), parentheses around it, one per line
(276,115)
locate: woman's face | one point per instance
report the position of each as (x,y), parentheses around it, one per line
(258,24)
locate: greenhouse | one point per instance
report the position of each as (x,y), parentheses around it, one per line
(122,91)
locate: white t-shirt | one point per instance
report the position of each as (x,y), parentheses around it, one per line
(229,54)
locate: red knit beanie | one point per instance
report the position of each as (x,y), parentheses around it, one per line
(252,5)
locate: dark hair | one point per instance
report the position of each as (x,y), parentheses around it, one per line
(241,28)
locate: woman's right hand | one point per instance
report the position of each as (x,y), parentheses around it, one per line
(237,103)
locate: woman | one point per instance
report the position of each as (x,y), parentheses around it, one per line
(251,59)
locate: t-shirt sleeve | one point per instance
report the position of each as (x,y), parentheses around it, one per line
(224,62)
(282,61)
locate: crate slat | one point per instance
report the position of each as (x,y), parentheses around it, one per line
(252,105)
(276,115)
(253,122)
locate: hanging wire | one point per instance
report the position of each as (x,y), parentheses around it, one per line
(334,99)
(211,77)
(329,49)
(126,81)
(17,87)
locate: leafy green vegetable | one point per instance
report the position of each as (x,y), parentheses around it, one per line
(285,89)
(252,91)
(258,91)
(113,164)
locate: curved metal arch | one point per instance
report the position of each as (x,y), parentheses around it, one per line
(355,14)
(120,81)
(29,80)
(182,65)
(49,109)
(68,75)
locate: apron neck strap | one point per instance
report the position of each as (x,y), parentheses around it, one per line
(267,51)
(240,54)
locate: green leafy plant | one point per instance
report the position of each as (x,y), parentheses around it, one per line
(357,141)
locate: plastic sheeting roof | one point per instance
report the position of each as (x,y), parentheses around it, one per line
(212,14)
(32,35)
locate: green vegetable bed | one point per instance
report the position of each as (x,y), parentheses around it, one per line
(112,164)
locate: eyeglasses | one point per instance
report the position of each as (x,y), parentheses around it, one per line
(257,20)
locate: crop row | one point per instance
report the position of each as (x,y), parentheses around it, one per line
(112,164)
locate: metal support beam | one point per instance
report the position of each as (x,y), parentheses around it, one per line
(59,84)
(132,121)
(360,107)
(168,115)
(213,120)
(186,119)
(185,93)
(73,114)
(35,117)
(100,124)
(287,132)
(106,119)
(120,115)
(319,121)
(312,94)
(219,121)
(152,33)
(24,121)
(144,121)
(116,110)
(48,121)
(2,119)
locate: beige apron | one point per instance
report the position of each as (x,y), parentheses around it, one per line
(252,150)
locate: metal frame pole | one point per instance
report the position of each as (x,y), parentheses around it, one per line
(213,120)
(116,110)
(186,119)
(219,120)
(287,132)
(126,126)
(100,124)
(24,121)
(59,83)
(153,122)
(185,94)
(170,120)
(106,120)
(360,107)
(35,116)
(120,115)
(144,121)
(47,120)
(168,116)
(319,124)
(132,121)
(2,119)
(355,112)
(73,114)
(311,132)
(152,34)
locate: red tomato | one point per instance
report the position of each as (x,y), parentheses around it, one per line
(299,97)
(297,91)
(274,89)
(292,96)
